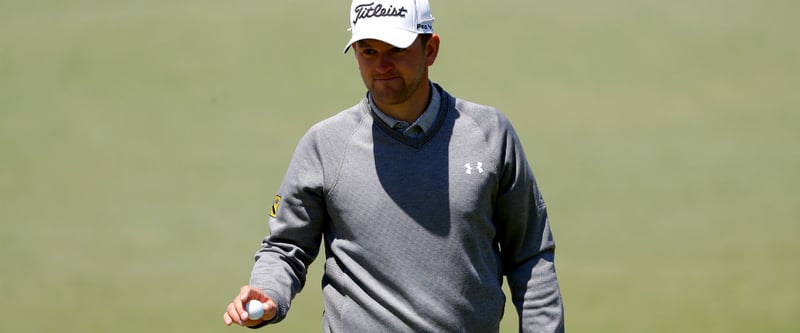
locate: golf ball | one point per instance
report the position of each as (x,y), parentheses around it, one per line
(255,310)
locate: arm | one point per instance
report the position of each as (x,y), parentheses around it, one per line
(526,243)
(281,263)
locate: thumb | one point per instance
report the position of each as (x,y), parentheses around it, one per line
(270,308)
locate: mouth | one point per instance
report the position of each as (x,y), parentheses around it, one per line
(385,79)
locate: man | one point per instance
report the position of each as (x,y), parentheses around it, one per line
(423,202)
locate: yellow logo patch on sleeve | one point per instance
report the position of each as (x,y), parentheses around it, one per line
(275,204)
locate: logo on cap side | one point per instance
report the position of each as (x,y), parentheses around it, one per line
(371,10)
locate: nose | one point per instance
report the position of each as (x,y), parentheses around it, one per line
(383,64)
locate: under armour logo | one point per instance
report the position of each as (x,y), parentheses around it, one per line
(469,167)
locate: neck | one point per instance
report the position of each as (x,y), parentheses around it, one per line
(411,109)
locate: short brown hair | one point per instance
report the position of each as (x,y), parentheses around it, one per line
(424,38)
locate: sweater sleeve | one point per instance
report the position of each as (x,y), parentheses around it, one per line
(282,261)
(526,243)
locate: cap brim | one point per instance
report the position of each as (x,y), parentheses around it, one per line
(396,37)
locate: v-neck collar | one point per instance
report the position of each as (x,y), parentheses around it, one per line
(446,103)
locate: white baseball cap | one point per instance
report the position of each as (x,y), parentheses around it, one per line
(397,22)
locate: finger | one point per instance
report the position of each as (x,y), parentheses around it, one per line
(233,314)
(244,294)
(227,319)
(239,302)
(254,293)
(251,323)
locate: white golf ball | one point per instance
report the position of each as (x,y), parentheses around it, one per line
(255,310)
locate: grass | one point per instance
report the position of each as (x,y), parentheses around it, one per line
(142,143)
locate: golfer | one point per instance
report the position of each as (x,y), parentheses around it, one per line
(422,201)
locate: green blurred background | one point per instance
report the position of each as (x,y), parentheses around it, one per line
(141,143)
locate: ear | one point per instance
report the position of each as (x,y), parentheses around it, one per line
(432,50)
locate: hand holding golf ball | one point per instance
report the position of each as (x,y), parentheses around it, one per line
(255,309)
(250,307)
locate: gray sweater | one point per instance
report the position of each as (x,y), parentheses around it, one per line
(418,233)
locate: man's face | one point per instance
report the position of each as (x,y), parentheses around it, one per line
(394,75)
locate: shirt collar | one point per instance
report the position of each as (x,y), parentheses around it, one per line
(425,120)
